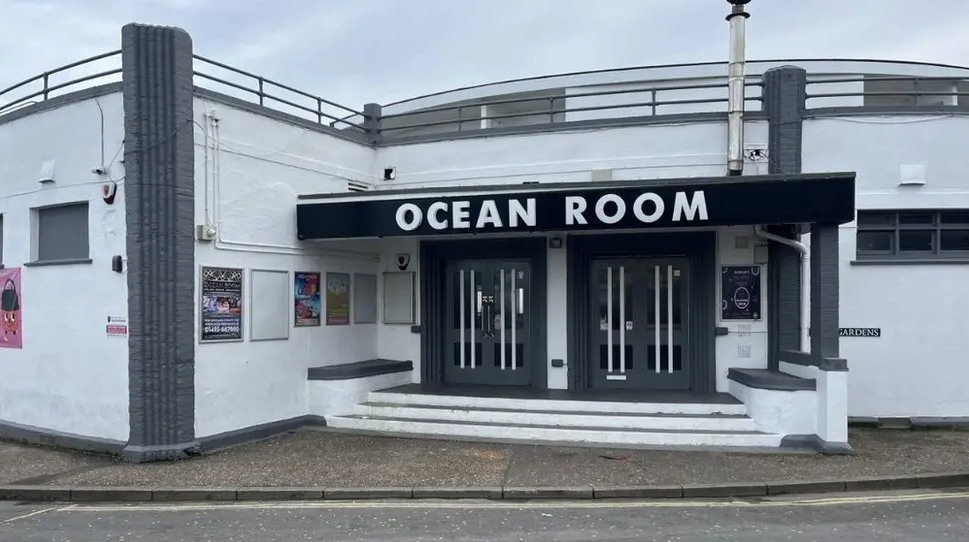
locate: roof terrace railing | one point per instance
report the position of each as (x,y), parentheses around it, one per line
(564,106)
(568,105)
(43,87)
(889,90)
(269,93)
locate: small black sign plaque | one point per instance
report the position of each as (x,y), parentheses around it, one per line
(740,292)
(859,332)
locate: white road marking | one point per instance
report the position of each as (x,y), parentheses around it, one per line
(31,514)
(537,505)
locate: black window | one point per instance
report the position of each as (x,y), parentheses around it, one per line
(62,233)
(913,234)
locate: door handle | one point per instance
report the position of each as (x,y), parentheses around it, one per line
(487,318)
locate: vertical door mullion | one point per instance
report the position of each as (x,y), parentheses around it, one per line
(622,319)
(609,356)
(669,318)
(657,326)
(461,323)
(475,304)
(517,305)
(501,312)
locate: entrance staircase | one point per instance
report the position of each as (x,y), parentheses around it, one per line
(693,425)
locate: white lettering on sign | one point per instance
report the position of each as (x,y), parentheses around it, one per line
(697,206)
(658,207)
(433,215)
(574,207)
(610,216)
(409,217)
(457,215)
(524,213)
(608,209)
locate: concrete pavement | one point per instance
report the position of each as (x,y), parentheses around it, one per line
(924,516)
(312,459)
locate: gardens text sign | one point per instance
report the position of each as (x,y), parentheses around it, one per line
(568,211)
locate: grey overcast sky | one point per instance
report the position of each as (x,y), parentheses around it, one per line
(357,51)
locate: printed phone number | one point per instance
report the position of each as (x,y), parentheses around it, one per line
(221,329)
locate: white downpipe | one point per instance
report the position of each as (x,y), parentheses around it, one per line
(793,243)
(805,254)
(805,301)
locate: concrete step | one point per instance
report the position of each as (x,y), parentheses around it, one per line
(564,435)
(598,418)
(555,405)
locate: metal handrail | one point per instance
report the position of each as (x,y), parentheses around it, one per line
(915,92)
(47,88)
(561,97)
(261,91)
(267,92)
(550,113)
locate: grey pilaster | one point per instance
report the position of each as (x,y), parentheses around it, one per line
(371,121)
(825,295)
(784,94)
(159,195)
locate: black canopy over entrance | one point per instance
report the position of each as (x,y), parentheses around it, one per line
(643,204)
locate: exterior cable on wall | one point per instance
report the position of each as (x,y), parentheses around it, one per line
(101,114)
(265,248)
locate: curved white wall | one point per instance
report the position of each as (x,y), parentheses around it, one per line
(642,152)
(69,376)
(918,366)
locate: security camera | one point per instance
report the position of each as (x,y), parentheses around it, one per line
(403,260)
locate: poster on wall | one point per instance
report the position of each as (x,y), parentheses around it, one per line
(10,304)
(740,292)
(337,299)
(221,304)
(306,293)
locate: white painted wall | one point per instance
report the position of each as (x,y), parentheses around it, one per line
(745,344)
(69,377)
(250,195)
(643,152)
(918,367)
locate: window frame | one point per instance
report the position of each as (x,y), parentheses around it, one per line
(897,228)
(37,235)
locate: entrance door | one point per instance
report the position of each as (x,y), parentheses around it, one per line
(488,323)
(640,337)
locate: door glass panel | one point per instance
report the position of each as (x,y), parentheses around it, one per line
(616,293)
(664,315)
(664,362)
(466,317)
(662,281)
(509,317)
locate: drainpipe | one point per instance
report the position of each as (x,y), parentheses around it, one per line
(735,88)
(804,253)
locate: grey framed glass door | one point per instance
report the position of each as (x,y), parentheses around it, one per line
(489,336)
(640,336)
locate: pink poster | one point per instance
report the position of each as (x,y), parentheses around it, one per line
(10,323)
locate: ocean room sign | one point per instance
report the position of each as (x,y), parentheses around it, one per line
(606,210)
(563,207)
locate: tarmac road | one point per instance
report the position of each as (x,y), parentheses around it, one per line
(922,516)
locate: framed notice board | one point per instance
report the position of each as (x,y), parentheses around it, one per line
(740,292)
